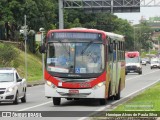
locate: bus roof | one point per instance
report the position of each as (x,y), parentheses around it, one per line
(115,36)
(111,35)
(132,54)
(77,29)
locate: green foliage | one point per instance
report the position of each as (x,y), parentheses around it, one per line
(40,13)
(31,42)
(143,35)
(44,13)
(2,30)
(8,56)
(34,66)
(102,21)
(124,28)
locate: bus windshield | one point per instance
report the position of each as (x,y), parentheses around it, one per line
(84,57)
(133,60)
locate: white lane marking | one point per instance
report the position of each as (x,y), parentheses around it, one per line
(101,109)
(142,75)
(35,106)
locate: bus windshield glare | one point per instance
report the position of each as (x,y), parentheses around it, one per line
(81,57)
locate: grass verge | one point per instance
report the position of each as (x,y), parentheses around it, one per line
(34,64)
(146,101)
(145,106)
(34,67)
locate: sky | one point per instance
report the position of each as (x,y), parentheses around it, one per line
(146,12)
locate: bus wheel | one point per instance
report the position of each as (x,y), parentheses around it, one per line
(76,98)
(103,101)
(56,101)
(118,95)
(126,73)
(69,98)
(109,97)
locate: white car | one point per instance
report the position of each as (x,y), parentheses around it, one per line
(12,86)
(155,64)
(144,62)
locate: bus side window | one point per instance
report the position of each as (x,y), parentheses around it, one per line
(110,46)
(114,51)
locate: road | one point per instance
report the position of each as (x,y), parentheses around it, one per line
(37,102)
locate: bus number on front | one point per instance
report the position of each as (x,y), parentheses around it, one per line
(84,85)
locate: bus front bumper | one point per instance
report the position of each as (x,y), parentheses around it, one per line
(96,92)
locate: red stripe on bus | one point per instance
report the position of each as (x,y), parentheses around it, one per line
(76,85)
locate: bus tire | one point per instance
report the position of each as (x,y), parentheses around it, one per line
(56,101)
(109,97)
(126,73)
(118,95)
(69,98)
(103,101)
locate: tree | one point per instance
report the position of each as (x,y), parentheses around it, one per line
(44,13)
(40,13)
(143,35)
(102,21)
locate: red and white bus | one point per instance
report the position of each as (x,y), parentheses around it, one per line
(133,64)
(84,63)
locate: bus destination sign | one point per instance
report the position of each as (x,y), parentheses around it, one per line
(76,35)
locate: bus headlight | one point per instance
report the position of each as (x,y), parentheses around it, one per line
(99,85)
(50,84)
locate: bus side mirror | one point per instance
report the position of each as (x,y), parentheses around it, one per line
(110,48)
(42,48)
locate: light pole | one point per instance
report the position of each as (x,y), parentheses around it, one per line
(61,19)
(42,36)
(111,6)
(23,31)
(25,39)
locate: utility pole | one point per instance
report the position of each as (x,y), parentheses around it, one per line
(61,19)
(25,38)
(42,37)
(111,6)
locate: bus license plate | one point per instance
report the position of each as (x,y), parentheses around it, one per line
(74,91)
(131,71)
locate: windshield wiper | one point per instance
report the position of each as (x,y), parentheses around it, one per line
(64,47)
(83,51)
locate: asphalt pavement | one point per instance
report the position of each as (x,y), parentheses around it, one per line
(36,100)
